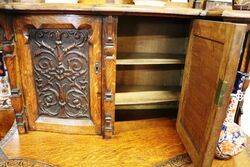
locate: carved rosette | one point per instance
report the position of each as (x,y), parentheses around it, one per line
(61,72)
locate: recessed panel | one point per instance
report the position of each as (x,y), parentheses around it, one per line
(61,72)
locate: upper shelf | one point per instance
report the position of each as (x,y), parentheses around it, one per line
(148,59)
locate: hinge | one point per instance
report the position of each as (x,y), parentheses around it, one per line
(220,93)
(108,96)
(108,127)
(15,92)
(108,124)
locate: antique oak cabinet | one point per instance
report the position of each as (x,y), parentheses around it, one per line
(82,70)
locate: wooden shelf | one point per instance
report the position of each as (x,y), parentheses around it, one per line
(148,59)
(142,88)
(145,97)
(169,105)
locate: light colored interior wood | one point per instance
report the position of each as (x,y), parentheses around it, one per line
(151,41)
(156,106)
(148,76)
(159,43)
(152,35)
(150,61)
(139,88)
(145,97)
(123,93)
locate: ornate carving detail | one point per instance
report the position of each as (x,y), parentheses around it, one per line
(60,60)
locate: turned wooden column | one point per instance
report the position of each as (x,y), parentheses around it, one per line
(12,65)
(109,74)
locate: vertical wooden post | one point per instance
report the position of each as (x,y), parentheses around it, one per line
(109,39)
(12,66)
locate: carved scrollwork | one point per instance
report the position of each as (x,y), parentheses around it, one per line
(61,72)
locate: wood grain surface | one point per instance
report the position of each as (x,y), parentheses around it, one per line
(213,57)
(13,68)
(136,143)
(104,9)
(145,143)
(109,46)
(7,118)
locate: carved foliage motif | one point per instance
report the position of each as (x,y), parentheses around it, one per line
(61,72)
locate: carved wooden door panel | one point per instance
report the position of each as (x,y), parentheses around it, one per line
(60,59)
(210,71)
(60,63)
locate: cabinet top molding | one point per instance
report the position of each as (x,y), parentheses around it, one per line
(122,9)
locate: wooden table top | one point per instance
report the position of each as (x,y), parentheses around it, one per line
(105,8)
(121,9)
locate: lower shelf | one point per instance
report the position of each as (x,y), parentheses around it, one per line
(168,105)
(145,97)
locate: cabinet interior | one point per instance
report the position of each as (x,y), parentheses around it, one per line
(150,61)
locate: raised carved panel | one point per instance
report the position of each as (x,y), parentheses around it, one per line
(61,71)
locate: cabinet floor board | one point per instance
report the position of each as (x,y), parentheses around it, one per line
(136,143)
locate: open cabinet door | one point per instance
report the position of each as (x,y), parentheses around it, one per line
(211,65)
